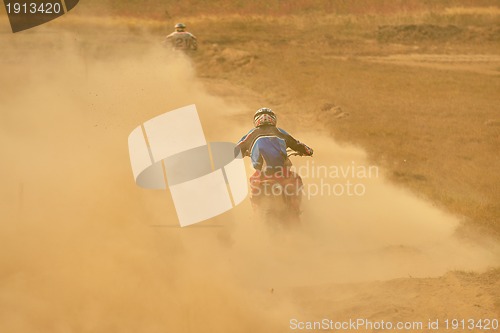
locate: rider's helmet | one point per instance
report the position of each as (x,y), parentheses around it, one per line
(180,27)
(264,116)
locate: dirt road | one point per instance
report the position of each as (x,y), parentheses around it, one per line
(85,250)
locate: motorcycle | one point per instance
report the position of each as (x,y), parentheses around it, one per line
(278,194)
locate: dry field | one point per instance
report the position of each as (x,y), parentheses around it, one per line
(412,90)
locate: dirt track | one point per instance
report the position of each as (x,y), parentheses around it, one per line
(85,250)
(478,63)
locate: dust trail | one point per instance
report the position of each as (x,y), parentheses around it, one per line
(384,233)
(85,250)
(82,255)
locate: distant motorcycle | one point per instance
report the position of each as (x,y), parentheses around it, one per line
(277,194)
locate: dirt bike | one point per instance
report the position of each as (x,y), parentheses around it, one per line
(277,194)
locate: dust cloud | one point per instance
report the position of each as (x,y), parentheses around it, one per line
(83,249)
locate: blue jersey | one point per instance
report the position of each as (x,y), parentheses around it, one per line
(266,145)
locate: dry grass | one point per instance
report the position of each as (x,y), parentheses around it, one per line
(350,18)
(161,9)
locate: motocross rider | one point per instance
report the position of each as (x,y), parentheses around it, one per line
(266,145)
(180,39)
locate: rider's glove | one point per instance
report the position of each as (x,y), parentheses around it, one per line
(309,151)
